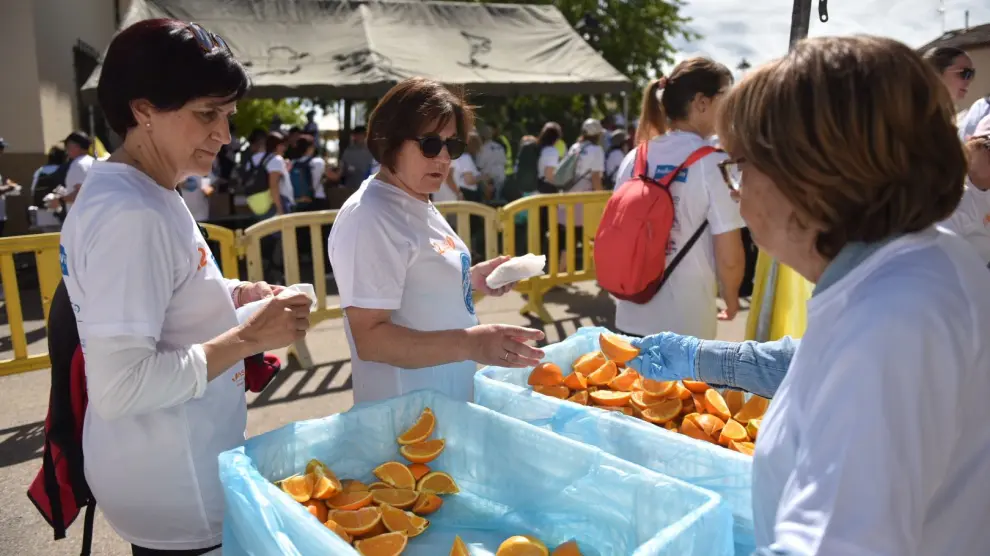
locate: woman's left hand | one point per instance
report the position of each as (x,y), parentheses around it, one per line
(481,271)
(248,292)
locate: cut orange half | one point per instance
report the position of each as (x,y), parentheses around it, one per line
(423,452)
(388,544)
(395,475)
(401,498)
(437,482)
(617,349)
(546,374)
(421,430)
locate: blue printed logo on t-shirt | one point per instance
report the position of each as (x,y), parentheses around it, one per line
(466,282)
(63,260)
(664,169)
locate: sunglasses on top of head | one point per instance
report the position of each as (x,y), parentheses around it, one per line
(208,40)
(431,145)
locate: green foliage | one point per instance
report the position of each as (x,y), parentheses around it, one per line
(253,113)
(632,35)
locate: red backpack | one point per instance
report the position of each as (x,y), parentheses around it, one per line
(634,234)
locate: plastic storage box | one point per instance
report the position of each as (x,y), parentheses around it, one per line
(514,479)
(711,467)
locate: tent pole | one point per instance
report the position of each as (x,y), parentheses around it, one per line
(800,21)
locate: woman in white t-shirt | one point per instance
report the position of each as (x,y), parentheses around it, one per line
(464,178)
(876,439)
(971,219)
(155,316)
(405,278)
(279,184)
(588,171)
(546,166)
(678,118)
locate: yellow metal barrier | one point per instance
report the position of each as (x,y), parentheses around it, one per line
(45,249)
(535,288)
(227,240)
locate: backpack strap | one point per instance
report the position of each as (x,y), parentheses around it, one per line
(639,169)
(691,159)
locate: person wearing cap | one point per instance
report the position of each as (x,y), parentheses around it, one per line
(617,149)
(589,171)
(77,148)
(356,161)
(971,219)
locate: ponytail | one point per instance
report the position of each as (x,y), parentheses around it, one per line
(652,118)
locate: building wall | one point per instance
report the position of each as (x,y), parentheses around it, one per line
(20,108)
(980,87)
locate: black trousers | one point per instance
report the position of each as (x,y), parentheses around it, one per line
(139,551)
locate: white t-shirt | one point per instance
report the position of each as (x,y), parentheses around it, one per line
(686,303)
(76,174)
(195,197)
(971,220)
(146,271)
(491,161)
(549,158)
(45,217)
(969,119)
(876,441)
(612,162)
(591,159)
(392,251)
(465,165)
(276,165)
(318,166)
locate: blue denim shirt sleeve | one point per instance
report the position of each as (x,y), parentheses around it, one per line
(757,367)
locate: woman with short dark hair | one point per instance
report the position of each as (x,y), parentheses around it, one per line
(954,68)
(156,318)
(405,278)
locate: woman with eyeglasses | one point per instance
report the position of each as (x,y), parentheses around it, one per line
(954,67)
(875,441)
(156,318)
(406,280)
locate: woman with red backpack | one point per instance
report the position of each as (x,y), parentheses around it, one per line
(703,243)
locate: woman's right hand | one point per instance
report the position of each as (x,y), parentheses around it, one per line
(282,321)
(504,345)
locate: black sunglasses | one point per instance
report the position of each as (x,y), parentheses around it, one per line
(967,73)
(208,40)
(431,145)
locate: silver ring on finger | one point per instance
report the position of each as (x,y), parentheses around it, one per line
(505,356)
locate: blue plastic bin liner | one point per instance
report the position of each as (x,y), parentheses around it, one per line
(514,479)
(700,463)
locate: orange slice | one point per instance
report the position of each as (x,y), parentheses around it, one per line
(406,522)
(660,413)
(610,398)
(698,402)
(389,544)
(624,381)
(691,427)
(753,428)
(401,498)
(357,522)
(379,485)
(732,432)
(734,399)
(617,349)
(581,397)
(437,482)
(688,406)
(421,430)
(546,374)
(643,399)
(660,389)
(569,548)
(351,485)
(299,487)
(711,424)
(560,391)
(589,363)
(754,408)
(521,545)
(350,500)
(395,475)
(681,391)
(576,381)
(603,375)
(336,528)
(743,447)
(715,404)
(318,509)
(695,386)
(427,503)
(459,548)
(423,452)
(325,483)
(378,529)
(315,464)
(418,470)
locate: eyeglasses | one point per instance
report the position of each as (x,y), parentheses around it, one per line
(731,172)
(431,145)
(208,40)
(966,74)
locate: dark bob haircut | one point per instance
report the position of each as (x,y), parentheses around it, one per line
(412,108)
(942,57)
(161,61)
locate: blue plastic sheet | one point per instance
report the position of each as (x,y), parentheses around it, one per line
(514,479)
(700,463)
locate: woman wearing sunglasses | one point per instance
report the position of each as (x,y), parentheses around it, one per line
(405,278)
(155,316)
(954,67)
(875,442)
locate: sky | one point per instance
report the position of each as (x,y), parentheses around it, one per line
(758,30)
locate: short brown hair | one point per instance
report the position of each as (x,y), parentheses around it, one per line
(690,77)
(857,133)
(410,109)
